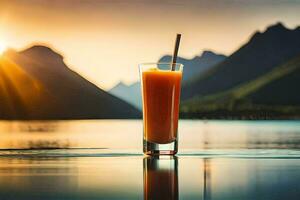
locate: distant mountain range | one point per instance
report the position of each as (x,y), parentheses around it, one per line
(262,53)
(192,68)
(196,66)
(37,84)
(129,93)
(261,79)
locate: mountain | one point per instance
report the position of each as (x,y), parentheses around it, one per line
(261,54)
(282,90)
(272,94)
(192,68)
(36,84)
(196,66)
(129,93)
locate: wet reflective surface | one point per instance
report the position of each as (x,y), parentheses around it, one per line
(103,160)
(144,178)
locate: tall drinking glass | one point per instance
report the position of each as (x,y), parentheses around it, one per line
(161,96)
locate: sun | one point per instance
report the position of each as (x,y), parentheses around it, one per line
(2,46)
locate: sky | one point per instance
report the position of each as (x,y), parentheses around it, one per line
(105,40)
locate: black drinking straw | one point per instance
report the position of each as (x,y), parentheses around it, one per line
(175,51)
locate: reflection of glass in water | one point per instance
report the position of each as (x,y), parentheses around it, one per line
(207,179)
(160,178)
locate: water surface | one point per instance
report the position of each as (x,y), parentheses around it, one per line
(126,135)
(103,160)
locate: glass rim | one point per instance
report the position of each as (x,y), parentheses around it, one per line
(161,63)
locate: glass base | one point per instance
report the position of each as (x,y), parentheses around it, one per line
(152,148)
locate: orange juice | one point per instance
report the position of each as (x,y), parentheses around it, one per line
(161,96)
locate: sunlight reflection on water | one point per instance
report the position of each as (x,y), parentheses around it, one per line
(127,134)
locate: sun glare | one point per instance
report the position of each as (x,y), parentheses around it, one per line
(2,47)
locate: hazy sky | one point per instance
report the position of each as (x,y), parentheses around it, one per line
(104,40)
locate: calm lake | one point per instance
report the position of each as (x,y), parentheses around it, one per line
(102,159)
